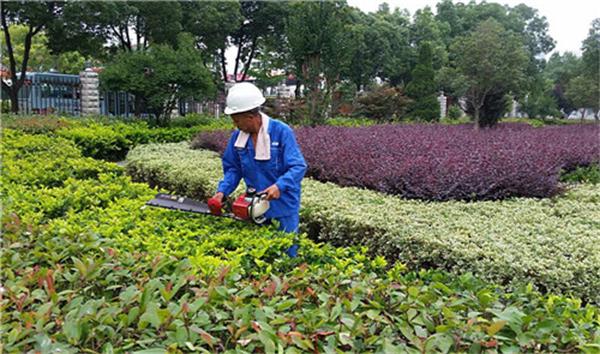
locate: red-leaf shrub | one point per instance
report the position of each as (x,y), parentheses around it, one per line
(441,162)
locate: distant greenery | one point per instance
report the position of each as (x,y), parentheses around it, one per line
(589,174)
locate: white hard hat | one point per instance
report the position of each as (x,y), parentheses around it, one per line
(243,97)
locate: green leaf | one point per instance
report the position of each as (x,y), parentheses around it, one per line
(72,329)
(151,315)
(284,305)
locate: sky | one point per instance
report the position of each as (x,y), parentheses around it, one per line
(568,20)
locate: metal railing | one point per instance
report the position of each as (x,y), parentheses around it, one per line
(62,97)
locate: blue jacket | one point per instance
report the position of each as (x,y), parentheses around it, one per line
(286,168)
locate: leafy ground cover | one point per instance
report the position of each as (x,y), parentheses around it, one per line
(441,162)
(85,269)
(553,243)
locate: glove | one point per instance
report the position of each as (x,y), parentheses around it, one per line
(215,206)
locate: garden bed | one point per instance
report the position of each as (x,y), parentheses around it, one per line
(553,242)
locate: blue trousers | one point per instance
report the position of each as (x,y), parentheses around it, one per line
(289,223)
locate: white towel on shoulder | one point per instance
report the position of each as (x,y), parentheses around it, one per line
(263,140)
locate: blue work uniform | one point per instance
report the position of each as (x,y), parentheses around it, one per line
(286,168)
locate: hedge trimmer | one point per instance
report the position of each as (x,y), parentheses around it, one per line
(250,206)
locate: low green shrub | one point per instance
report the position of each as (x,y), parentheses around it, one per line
(207,121)
(38,160)
(350,122)
(35,124)
(109,138)
(588,174)
(454,112)
(550,242)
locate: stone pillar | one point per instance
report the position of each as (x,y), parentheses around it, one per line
(443,104)
(90,94)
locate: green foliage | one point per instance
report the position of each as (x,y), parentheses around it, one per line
(317,41)
(102,138)
(454,112)
(489,61)
(27,160)
(539,102)
(383,104)
(161,76)
(192,120)
(350,122)
(584,92)
(38,50)
(85,269)
(35,124)
(422,89)
(507,245)
(588,174)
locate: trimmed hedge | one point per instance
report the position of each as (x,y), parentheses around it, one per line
(84,269)
(106,139)
(553,243)
(440,162)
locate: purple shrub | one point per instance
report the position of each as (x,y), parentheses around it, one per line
(440,162)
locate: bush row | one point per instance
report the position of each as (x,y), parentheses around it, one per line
(86,269)
(102,138)
(437,162)
(553,243)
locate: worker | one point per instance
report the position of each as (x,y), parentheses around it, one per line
(264,152)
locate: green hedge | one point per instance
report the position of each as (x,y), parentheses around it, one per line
(85,269)
(553,243)
(111,142)
(110,139)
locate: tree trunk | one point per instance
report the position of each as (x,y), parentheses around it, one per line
(14,100)
(250,57)
(223,64)
(476,116)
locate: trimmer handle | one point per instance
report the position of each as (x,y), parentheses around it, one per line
(215,206)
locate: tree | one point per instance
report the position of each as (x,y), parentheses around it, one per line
(584,93)
(490,60)
(261,20)
(161,75)
(523,21)
(591,51)
(317,40)
(584,90)
(560,70)
(40,57)
(35,17)
(540,102)
(212,23)
(38,53)
(396,54)
(422,88)
(426,27)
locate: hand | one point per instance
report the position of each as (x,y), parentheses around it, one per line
(218,196)
(215,204)
(272,192)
